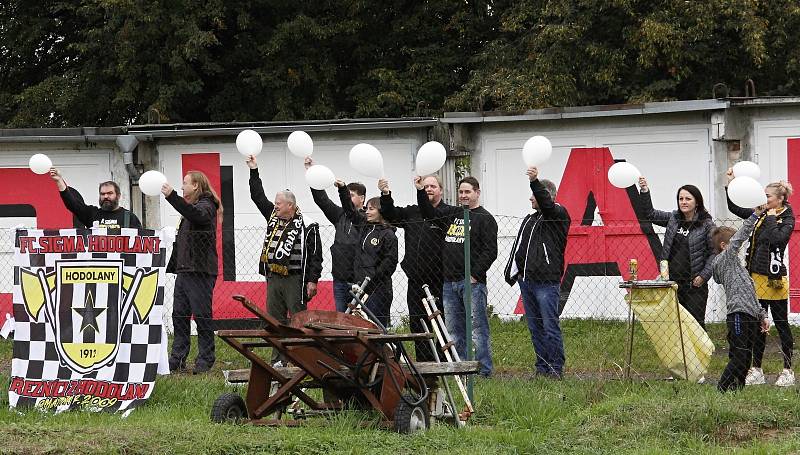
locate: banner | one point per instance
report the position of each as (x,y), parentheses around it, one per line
(88,330)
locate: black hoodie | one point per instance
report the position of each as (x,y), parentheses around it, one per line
(424,239)
(346,238)
(376,253)
(483,238)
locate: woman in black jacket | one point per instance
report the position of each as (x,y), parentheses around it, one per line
(765,263)
(194,261)
(375,256)
(687,245)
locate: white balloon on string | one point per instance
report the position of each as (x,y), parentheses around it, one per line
(300,144)
(40,163)
(320,177)
(536,150)
(151,181)
(367,160)
(430,158)
(623,174)
(747,169)
(746,192)
(248,142)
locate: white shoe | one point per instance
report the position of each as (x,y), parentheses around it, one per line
(702,380)
(755,376)
(277,364)
(786,379)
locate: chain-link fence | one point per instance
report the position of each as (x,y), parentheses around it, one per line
(592,296)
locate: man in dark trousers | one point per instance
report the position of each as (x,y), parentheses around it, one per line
(537,264)
(422,262)
(109,214)
(291,258)
(346,238)
(483,252)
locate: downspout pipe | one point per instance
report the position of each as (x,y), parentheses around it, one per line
(127,144)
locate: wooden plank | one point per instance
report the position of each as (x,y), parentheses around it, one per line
(425,368)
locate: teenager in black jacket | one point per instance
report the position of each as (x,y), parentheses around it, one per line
(687,245)
(537,264)
(345,240)
(194,262)
(422,262)
(483,252)
(765,263)
(375,256)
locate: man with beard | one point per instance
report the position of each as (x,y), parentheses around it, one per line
(422,262)
(109,214)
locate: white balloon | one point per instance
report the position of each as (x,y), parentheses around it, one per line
(300,144)
(320,177)
(40,163)
(151,181)
(430,158)
(623,174)
(746,169)
(367,160)
(248,142)
(536,150)
(746,192)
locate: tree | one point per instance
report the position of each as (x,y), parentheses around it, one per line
(566,53)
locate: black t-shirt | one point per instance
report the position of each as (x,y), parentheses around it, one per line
(89,214)
(680,264)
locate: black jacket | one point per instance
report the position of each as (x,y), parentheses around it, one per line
(701,248)
(346,238)
(538,251)
(483,238)
(195,249)
(312,245)
(424,239)
(88,214)
(376,252)
(768,240)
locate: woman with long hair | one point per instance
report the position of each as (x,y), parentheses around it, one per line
(687,245)
(764,261)
(376,254)
(194,263)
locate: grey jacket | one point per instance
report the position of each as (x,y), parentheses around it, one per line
(730,273)
(701,251)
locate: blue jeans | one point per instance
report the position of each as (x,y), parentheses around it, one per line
(541,299)
(341,295)
(455,318)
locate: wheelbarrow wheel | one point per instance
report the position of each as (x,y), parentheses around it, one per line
(410,419)
(228,408)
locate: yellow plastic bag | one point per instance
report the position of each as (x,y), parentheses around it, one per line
(657,310)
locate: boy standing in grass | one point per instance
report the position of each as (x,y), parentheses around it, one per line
(744,311)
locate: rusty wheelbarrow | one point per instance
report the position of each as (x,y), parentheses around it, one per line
(354,362)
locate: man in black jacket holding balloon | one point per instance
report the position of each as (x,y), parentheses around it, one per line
(422,262)
(536,263)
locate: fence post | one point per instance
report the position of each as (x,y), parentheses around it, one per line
(468,296)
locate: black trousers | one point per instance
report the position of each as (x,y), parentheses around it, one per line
(416,311)
(694,300)
(742,332)
(779,310)
(193,292)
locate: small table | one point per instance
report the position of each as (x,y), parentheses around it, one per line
(648,284)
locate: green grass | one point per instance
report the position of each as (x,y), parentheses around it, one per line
(591,411)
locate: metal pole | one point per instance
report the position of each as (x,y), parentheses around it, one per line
(468,297)
(631,321)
